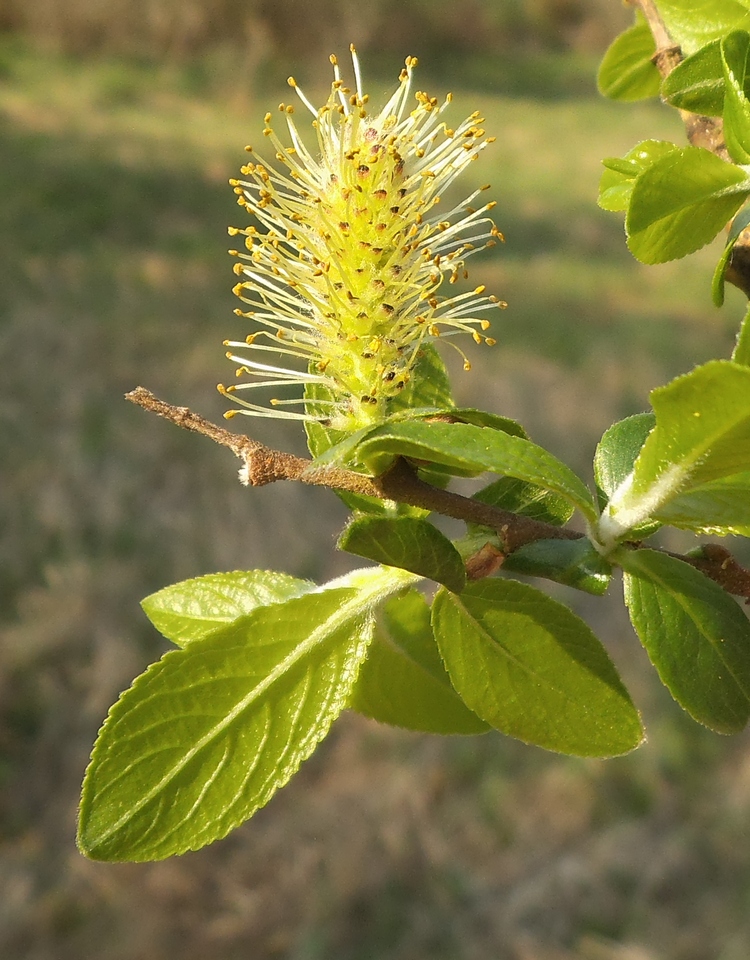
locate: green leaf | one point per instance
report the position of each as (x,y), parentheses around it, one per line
(741,352)
(740,222)
(403,681)
(439,475)
(208,734)
(481,418)
(718,508)
(681,202)
(614,459)
(194,608)
(695,634)
(408,543)
(697,84)
(702,433)
(618,179)
(574,563)
(464,445)
(429,385)
(694,23)
(617,451)
(626,71)
(735,52)
(528,499)
(532,669)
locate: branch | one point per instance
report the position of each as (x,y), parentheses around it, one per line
(262,465)
(706,132)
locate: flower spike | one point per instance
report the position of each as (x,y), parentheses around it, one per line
(342,268)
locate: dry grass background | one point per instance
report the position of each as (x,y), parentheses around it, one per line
(117,135)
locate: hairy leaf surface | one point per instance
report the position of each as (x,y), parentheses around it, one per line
(208,734)
(702,434)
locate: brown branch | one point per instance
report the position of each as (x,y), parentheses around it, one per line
(262,465)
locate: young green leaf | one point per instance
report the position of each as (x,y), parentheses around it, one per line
(695,634)
(740,222)
(614,459)
(194,608)
(408,543)
(207,735)
(735,54)
(618,450)
(693,23)
(532,669)
(681,202)
(702,433)
(718,508)
(464,445)
(618,179)
(697,84)
(403,681)
(627,71)
(573,562)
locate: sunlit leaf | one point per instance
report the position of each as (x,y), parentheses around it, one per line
(741,352)
(206,736)
(681,202)
(697,84)
(615,456)
(718,508)
(702,434)
(627,71)
(740,222)
(695,634)
(479,448)
(194,608)
(618,179)
(532,669)
(735,52)
(694,23)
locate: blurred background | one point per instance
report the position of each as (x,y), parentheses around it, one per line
(120,124)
